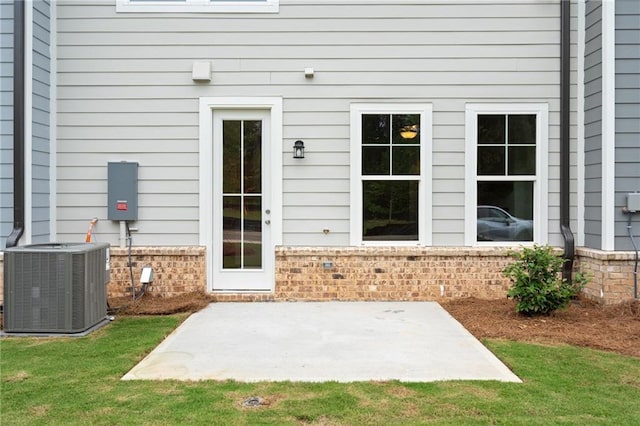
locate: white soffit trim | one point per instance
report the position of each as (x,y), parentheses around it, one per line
(608,125)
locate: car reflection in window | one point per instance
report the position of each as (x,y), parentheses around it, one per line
(495,224)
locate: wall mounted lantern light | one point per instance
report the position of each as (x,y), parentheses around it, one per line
(298,149)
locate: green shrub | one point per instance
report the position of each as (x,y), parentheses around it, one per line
(537,286)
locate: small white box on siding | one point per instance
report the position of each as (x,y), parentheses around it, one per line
(201,71)
(633,202)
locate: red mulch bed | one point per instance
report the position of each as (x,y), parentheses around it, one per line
(614,328)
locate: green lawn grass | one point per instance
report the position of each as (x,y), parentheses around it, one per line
(77,381)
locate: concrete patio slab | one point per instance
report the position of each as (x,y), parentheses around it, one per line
(324,341)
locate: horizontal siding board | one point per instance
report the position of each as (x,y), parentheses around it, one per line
(628,125)
(593,129)
(422,78)
(593,158)
(162,65)
(161,173)
(623,242)
(628,96)
(505,92)
(316,212)
(316,239)
(170,214)
(142,106)
(592,186)
(145,201)
(316,186)
(99,186)
(303,199)
(627,81)
(593,115)
(626,185)
(627,7)
(78,229)
(592,239)
(627,111)
(131,146)
(626,51)
(627,66)
(196,24)
(627,36)
(593,73)
(306,225)
(173,159)
(128,132)
(626,140)
(311,39)
(317,172)
(341,51)
(626,22)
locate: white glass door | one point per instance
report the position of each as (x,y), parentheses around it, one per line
(242,251)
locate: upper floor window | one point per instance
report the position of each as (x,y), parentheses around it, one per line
(390,164)
(506,150)
(211,6)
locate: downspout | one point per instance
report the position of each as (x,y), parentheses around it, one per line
(565,121)
(18,123)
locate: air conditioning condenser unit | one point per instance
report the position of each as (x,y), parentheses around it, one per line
(55,287)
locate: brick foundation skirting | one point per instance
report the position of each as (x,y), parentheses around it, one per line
(364,273)
(176,270)
(390,273)
(611,274)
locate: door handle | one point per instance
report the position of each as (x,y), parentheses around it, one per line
(268,221)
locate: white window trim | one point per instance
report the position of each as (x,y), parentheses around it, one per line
(425,181)
(206,108)
(540,188)
(196,6)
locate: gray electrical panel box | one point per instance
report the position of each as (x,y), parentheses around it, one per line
(633,202)
(122,191)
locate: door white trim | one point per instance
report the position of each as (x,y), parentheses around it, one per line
(207,106)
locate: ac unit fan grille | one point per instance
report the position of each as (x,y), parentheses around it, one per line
(56,290)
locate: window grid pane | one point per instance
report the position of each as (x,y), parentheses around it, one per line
(390,210)
(506,144)
(506,153)
(390,176)
(386,136)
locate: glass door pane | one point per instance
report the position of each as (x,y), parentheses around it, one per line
(242,194)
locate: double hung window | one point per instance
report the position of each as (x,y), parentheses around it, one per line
(506,165)
(390,165)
